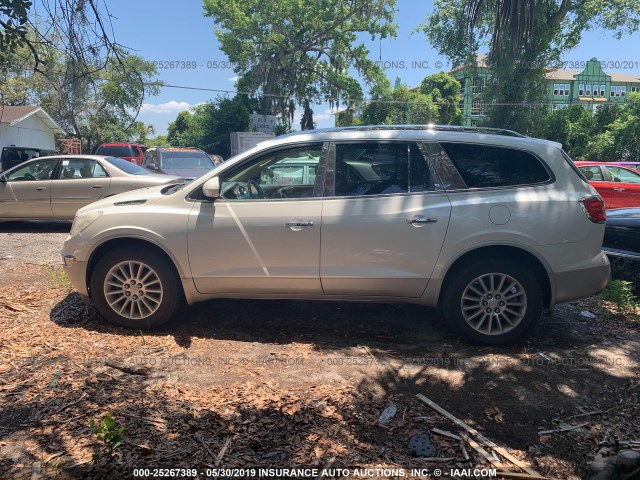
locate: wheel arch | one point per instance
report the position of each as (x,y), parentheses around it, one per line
(130,243)
(502,252)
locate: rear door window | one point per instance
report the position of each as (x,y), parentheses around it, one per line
(623,174)
(372,168)
(486,166)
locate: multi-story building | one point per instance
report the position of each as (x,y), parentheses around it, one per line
(590,87)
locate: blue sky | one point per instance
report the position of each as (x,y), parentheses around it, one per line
(168,30)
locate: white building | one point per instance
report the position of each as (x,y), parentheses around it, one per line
(27,126)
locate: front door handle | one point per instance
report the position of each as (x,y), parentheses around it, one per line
(619,189)
(421,221)
(297,225)
(41,189)
(96,186)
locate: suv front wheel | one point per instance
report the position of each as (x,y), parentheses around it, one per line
(135,289)
(493,302)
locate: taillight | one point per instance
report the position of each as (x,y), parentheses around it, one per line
(594,209)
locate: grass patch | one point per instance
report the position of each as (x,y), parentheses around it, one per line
(621,297)
(58,277)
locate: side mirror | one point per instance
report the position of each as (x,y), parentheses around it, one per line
(3,179)
(211,188)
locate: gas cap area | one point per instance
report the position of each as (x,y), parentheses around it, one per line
(499,214)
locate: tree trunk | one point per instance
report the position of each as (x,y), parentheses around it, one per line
(306,122)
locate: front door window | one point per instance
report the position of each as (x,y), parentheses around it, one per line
(287,173)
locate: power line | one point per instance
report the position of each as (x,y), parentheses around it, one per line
(349,100)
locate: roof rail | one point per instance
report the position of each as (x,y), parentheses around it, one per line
(440,128)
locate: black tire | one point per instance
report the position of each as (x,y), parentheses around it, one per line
(165,304)
(452,301)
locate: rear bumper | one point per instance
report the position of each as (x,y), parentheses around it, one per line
(583,282)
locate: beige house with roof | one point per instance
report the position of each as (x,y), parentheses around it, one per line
(27,126)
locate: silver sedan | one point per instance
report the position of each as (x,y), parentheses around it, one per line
(57,186)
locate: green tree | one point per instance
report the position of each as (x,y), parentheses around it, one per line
(399,106)
(572,127)
(299,52)
(444,90)
(208,126)
(612,134)
(458,28)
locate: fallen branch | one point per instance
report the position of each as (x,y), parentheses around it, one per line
(586,414)
(128,370)
(201,440)
(223,450)
(69,404)
(564,429)
(465,454)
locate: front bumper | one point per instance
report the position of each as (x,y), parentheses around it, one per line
(77,273)
(583,282)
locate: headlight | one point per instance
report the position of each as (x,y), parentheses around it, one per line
(83,222)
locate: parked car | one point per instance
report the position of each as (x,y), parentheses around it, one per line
(12,156)
(488,226)
(132,152)
(189,163)
(619,186)
(622,244)
(56,187)
(216,159)
(632,165)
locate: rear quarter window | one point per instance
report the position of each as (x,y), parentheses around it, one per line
(485,166)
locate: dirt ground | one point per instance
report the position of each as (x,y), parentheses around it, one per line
(283,384)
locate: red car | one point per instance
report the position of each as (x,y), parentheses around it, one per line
(133,152)
(619,186)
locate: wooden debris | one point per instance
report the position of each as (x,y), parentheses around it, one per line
(473,444)
(446,434)
(503,452)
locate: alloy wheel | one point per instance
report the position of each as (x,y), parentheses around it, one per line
(133,290)
(494,303)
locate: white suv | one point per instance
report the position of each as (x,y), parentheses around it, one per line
(489,226)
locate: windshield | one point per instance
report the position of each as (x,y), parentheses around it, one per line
(195,159)
(115,151)
(127,167)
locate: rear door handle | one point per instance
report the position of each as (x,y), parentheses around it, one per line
(421,221)
(96,186)
(41,189)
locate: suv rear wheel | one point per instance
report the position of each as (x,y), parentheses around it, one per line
(135,289)
(493,302)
